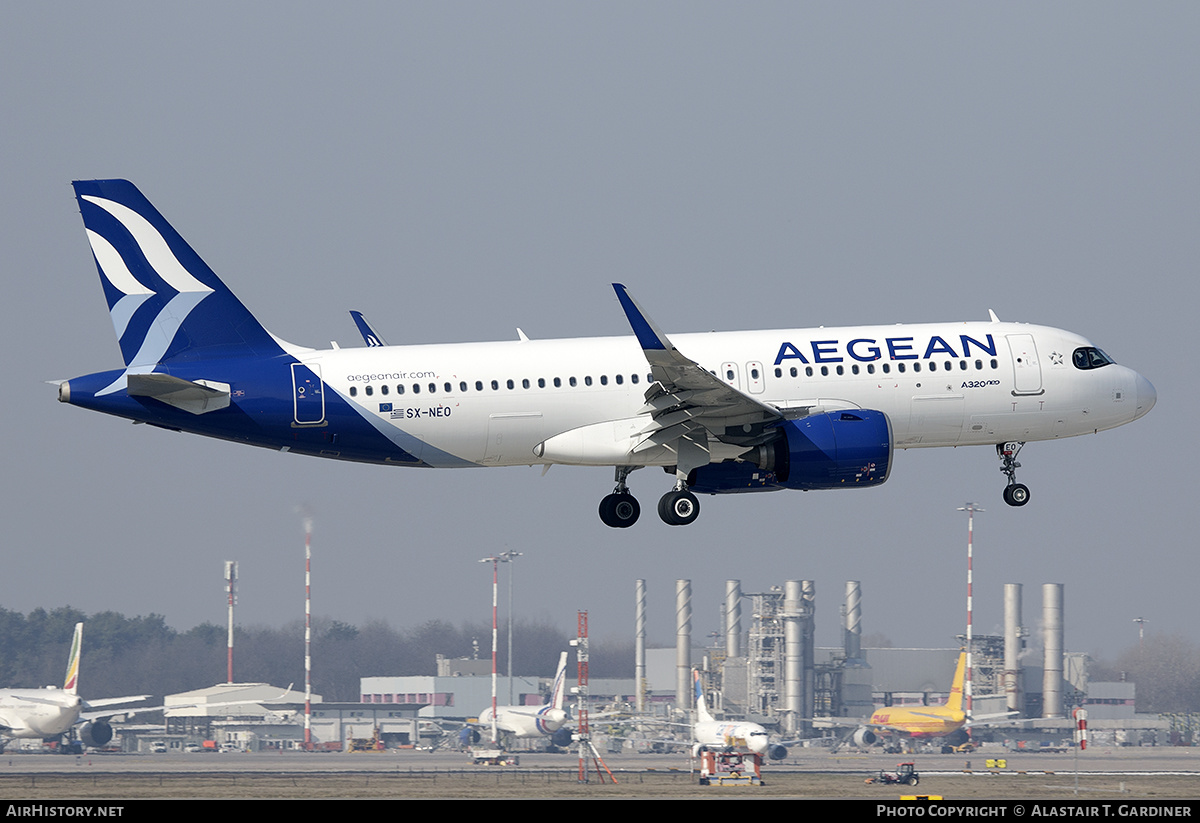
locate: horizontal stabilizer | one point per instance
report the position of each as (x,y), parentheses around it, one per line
(196,397)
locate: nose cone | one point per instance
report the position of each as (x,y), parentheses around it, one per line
(1146,397)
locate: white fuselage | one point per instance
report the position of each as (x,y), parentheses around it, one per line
(577,401)
(525,721)
(37,713)
(745,737)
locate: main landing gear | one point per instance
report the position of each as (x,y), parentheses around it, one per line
(678,507)
(620,510)
(1015,494)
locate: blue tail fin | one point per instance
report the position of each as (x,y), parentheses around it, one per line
(166,303)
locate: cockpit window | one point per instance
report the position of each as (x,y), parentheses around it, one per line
(1090,357)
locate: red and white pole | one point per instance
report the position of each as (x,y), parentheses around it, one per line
(968,691)
(308,634)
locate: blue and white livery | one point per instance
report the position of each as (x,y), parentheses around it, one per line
(509,722)
(723,413)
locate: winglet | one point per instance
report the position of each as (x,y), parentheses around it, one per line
(371,337)
(71,682)
(647,333)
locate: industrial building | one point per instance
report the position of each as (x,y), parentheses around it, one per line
(765,668)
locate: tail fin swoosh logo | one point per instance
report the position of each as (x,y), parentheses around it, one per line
(165,301)
(143,346)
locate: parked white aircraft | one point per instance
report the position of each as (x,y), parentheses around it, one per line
(733,735)
(724,413)
(533,721)
(52,712)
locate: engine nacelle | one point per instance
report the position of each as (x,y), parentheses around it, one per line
(563,737)
(836,450)
(95,733)
(776,751)
(864,737)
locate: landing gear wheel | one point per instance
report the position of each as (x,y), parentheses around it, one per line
(620,511)
(1016,495)
(678,508)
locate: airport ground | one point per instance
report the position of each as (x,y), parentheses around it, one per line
(1126,775)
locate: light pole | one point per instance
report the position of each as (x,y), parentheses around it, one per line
(508,557)
(495,561)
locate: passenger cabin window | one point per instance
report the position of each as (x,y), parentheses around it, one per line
(1090,357)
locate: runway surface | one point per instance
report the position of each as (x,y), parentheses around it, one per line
(807,773)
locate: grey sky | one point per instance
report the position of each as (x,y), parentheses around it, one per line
(456,170)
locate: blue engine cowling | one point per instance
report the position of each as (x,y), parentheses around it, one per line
(835,450)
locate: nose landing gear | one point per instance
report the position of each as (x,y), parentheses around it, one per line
(1015,494)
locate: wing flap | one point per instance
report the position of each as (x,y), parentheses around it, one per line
(687,404)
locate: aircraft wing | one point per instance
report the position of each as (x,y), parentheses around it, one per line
(90,707)
(839,722)
(856,723)
(687,399)
(998,719)
(116,701)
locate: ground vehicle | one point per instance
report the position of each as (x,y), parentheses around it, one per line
(730,767)
(905,773)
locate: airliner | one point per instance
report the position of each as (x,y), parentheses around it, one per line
(740,736)
(51,712)
(721,413)
(948,721)
(534,721)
